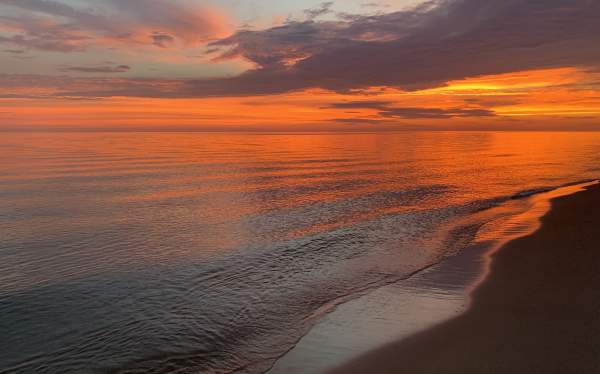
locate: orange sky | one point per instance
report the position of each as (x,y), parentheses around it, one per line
(532,98)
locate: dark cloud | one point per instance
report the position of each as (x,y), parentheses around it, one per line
(280,46)
(434,113)
(423,47)
(359,121)
(162,40)
(491,102)
(288,44)
(18,54)
(323,9)
(382,105)
(375,5)
(96,69)
(386,110)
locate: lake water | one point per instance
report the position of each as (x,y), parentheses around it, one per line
(195,252)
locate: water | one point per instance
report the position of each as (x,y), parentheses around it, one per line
(432,296)
(191,252)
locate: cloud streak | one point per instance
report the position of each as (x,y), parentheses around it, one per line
(386,110)
(322,10)
(104,69)
(434,113)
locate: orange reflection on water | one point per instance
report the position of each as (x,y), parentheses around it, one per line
(226,180)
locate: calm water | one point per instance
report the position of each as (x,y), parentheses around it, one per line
(177,253)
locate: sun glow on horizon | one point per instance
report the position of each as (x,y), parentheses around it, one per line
(537,94)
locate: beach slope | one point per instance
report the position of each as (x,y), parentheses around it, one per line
(537,311)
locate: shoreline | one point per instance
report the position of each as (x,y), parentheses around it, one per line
(393,312)
(430,296)
(533,310)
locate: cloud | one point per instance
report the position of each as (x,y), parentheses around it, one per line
(295,41)
(96,69)
(488,102)
(54,25)
(41,34)
(434,113)
(18,54)
(46,86)
(359,121)
(422,47)
(374,5)
(162,40)
(323,9)
(374,104)
(182,20)
(279,46)
(386,110)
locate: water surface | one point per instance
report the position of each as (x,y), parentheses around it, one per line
(178,252)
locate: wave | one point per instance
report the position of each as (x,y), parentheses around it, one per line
(451,229)
(539,190)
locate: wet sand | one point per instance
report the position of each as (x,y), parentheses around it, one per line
(537,311)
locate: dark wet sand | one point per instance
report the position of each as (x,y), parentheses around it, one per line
(538,310)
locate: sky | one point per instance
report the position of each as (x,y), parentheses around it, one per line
(299,65)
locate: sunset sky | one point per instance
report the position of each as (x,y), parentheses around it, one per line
(299,65)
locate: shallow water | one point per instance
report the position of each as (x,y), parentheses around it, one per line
(432,296)
(173,252)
